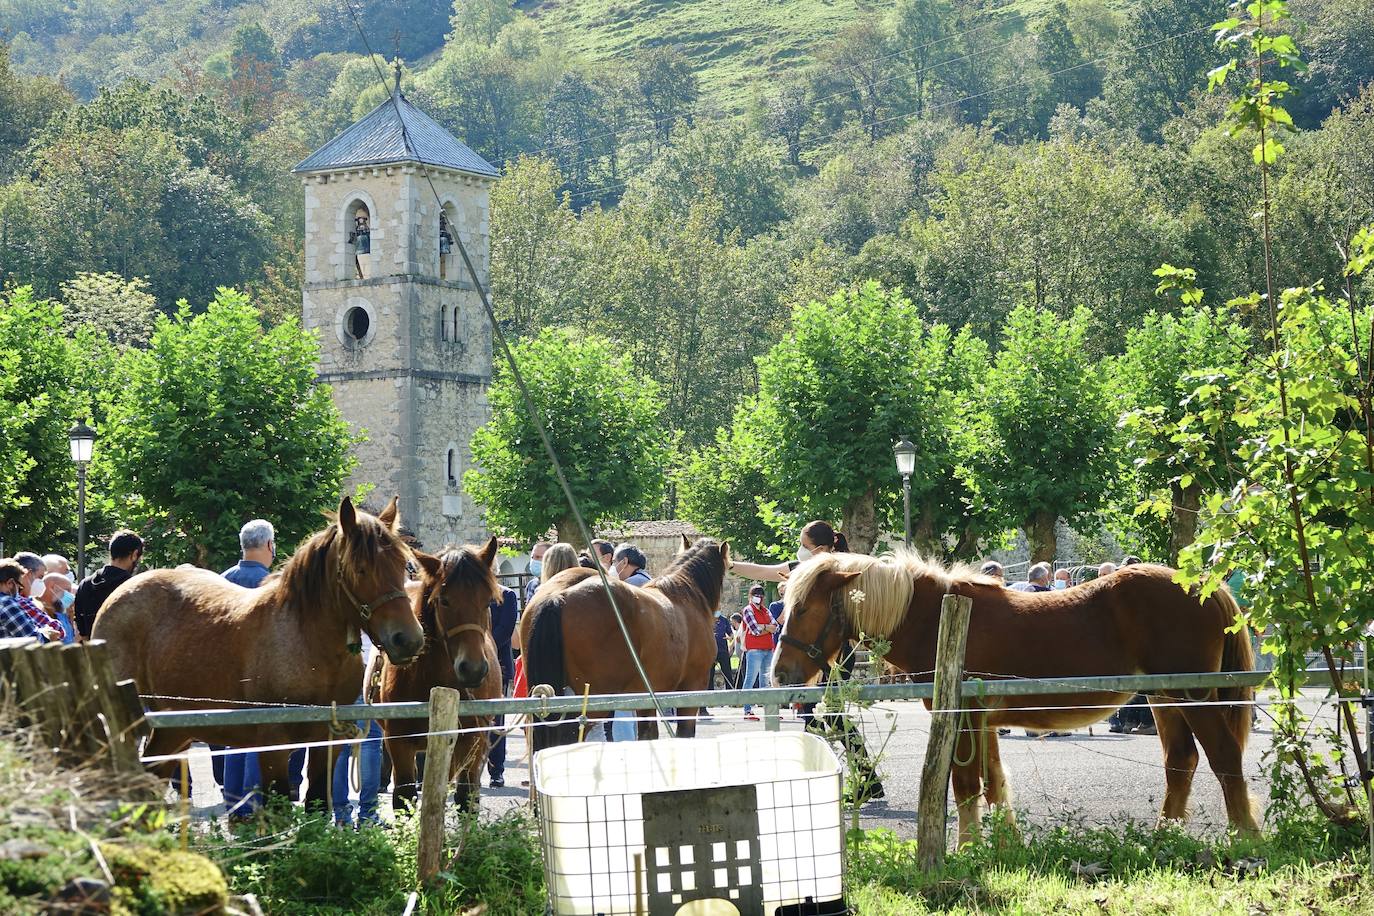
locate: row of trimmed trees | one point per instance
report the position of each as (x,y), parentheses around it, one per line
(1039,432)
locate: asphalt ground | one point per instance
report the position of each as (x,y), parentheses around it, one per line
(1091,777)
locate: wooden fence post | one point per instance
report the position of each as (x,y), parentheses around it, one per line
(443,717)
(944,731)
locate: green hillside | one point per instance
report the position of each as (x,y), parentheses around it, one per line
(734,45)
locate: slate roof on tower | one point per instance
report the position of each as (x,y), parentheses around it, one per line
(377,139)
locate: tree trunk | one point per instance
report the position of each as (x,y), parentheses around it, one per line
(967,548)
(1039,530)
(1183,519)
(568,531)
(924,537)
(860,523)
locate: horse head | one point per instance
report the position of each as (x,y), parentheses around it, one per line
(455,601)
(369,567)
(815,623)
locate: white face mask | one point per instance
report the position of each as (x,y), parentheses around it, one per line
(38,588)
(803,554)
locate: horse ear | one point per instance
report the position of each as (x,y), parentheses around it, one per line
(489,551)
(725,555)
(429,564)
(686,543)
(388,515)
(836,579)
(348,516)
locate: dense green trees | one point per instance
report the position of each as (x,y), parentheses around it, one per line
(217,422)
(602,421)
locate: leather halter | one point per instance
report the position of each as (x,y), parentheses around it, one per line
(462,627)
(836,618)
(364,608)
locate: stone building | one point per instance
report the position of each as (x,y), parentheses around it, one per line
(404,341)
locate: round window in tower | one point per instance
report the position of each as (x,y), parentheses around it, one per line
(357,325)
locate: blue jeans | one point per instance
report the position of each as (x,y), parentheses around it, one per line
(755,671)
(369,777)
(242,783)
(243,780)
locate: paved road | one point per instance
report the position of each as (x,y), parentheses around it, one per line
(1093,779)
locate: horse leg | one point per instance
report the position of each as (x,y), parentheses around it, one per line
(647,725)
(995,789)
(320,773)
(1180,761)
(687,725)
(1225,755)
(469,755)
(966,777)
(404,766)
(272,770)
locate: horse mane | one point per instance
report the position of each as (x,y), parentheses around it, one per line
(308,578)
(700,566)
(461,567)
(878,600)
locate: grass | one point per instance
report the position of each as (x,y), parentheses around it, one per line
(1123,870)
(298,866)
(736,47)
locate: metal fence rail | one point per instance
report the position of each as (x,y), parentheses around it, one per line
(771,698)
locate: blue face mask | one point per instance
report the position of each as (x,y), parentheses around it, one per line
(67,599)
(536,567)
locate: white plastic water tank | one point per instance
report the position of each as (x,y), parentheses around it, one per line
(737,824)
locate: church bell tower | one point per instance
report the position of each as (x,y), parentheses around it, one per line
(404,342)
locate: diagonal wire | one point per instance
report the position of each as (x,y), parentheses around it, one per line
(500,337)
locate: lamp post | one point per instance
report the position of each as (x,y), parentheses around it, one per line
(82,440)
(905,453)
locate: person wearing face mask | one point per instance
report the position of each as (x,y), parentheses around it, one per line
(57,600)
(628,564)
(758,645)
(126,550)
(15,620)
(32,588)
(816,538)
(536,569)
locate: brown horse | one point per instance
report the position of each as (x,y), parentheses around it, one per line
(187,634)
(572,642)
(453,606)
(1134,621)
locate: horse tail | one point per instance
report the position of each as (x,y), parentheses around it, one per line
(1236,655)
(544,664)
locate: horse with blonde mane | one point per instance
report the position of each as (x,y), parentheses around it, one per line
(192,640)
(1134,621)
(453,605)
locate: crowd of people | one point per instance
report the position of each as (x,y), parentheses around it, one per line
(40,599)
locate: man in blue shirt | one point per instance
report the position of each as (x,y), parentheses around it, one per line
(15,622)
(258,541)
(504,612)
(238,773)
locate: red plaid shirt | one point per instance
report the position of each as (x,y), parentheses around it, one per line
(41,617)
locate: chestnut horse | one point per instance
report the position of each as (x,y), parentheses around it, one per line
(453,606)
(184,634)
(572,642)
(1135,621)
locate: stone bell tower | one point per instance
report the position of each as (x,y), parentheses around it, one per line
(404,341)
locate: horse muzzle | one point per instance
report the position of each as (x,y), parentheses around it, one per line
(401,648)
(470,673)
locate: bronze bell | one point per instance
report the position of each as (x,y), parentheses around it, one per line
(361,236)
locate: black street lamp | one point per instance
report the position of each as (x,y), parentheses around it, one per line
(905,453)
(82,440)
